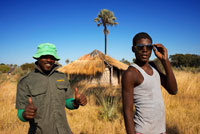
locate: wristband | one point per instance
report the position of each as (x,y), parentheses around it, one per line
(69,103)
(19,114)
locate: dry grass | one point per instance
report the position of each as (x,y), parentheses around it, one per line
(182,110)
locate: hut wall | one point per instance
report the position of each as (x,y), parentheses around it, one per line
(116,77)
(106,76)
(103,78)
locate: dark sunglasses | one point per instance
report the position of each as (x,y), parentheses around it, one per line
(141,46)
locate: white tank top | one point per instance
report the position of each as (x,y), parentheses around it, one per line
(149,117)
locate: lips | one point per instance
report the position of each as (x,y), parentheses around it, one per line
(48,64)
(144,56)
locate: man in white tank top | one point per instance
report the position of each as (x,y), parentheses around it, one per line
(141,86)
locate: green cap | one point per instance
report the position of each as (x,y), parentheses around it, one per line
(46,49)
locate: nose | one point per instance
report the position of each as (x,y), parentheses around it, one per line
(49,59)
(144,48)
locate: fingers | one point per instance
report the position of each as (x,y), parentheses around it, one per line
(30,110)
(160,51)
(82,100)
(27,115)
(155,51)
(30,114)
(159,47)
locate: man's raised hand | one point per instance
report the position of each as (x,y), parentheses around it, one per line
(30,110)
(80,99)
(160,51)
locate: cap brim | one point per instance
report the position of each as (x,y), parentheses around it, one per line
(37,56)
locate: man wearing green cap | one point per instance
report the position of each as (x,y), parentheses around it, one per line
(43,94)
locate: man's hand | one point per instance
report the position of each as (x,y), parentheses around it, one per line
(80,99)
(160,52)
(30,110)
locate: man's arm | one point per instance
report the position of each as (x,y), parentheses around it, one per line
(30,110)
(127,101)
(168,80)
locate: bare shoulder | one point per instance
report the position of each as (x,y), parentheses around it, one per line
(130,75)
(132,71)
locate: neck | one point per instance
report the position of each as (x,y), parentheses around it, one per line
(141,64)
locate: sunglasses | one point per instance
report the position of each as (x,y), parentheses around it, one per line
(141,46)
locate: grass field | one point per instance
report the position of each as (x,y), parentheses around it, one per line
(103,113)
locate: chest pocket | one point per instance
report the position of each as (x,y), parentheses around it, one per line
(38,93)
(62,87)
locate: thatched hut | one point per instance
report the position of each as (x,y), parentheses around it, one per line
(95,68)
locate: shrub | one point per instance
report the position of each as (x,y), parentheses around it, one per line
(109,107)
(4,68)
(28,66)
(107,102)
(185,60)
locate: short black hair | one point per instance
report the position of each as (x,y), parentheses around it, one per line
(141,35)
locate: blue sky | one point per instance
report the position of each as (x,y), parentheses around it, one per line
(69,24)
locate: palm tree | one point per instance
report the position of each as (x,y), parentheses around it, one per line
(67,61)
(105,18)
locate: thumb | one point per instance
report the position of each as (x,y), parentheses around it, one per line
(77,95)
(30,100)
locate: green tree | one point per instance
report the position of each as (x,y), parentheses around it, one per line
(4,68)
(67,61)
(185,60)
(28,66)
(105,18)
(125,61)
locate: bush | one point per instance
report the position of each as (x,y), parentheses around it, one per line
(28,66)
(20,73)
(108,103)
(185,60)
(109,106)
(4,68)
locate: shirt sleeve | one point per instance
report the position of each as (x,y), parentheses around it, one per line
(22,95)
(19,114)
(69,103)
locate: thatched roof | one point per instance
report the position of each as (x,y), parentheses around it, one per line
(91,64)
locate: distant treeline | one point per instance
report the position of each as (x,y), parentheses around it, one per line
(185,60)
(177,60)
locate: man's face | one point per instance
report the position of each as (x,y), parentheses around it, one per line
(46,63)
(143,49)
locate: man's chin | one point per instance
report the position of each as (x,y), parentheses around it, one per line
(144,60)
(48,69)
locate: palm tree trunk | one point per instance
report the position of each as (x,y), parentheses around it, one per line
(105,33)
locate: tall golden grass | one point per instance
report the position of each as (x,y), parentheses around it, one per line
(182,110)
